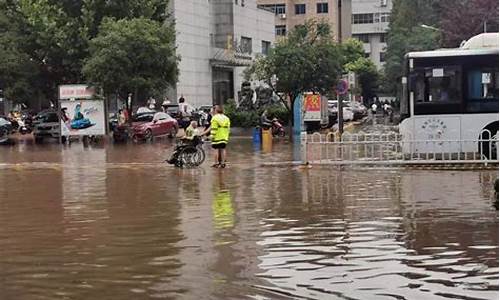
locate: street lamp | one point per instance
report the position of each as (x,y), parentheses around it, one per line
(430,27)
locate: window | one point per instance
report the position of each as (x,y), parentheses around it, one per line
(322,8)
(280,30)
(266,46)
(382,57)
(383,3)
(300,9)
(246,45)
(385,17)
(365,38)
(278,9)
(482,87)
(362,18)
(383,38)
(381,17)
(437,84)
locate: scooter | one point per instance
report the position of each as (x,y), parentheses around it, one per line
(276,128)
(25,125)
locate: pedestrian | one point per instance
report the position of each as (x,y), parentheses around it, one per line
(210,113)
(122,117)
(184,107)
(374,108)
(219,130)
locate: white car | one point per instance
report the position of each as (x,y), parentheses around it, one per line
(348,114)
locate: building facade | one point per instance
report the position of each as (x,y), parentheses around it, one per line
(370,23)
(216,40)
(290,13)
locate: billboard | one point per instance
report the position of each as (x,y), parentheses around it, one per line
(83,117)
(312,107)
(76,91)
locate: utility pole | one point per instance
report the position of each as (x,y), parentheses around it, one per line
(340,115)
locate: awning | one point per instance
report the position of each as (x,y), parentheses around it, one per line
(230,58)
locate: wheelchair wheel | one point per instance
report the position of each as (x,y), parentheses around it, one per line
(199,156)
(191,156)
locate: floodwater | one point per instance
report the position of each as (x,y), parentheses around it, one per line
(114,222)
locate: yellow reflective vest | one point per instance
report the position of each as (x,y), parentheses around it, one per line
(220,125)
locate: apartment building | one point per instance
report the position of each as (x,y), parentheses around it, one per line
(370,23)
(289,13)
(217,40)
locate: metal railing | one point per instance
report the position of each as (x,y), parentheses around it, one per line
(392,148)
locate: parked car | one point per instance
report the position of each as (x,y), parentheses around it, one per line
(357,108)
(145,126)
(347,113)
(46,125)
(5,129)
(172,110)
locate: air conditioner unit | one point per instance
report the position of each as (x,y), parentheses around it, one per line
(283,16)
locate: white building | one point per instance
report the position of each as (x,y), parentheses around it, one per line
(216,40)
(370,23)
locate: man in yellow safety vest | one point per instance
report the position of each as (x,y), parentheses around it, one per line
(219,131)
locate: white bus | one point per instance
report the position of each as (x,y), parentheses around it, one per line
(450,99)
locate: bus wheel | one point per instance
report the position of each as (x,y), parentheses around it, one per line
(488,144)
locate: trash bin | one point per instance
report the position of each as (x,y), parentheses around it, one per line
(256,135)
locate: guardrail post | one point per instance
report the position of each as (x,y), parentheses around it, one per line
(303,142)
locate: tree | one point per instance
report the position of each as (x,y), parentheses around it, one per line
(406,35)
(52,38)
(363,67)
(463,19)
(129,56)
(307,60)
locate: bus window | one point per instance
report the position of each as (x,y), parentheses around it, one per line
(443,84)
(482,93)
(436,85)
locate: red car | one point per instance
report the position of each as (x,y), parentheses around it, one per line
(145,126)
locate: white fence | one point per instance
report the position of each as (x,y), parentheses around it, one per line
(391,148)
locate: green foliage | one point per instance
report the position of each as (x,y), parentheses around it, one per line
(364,68)
(368,75)
(44,43)
(307,60)
(352,50)
(247,119)
(406,35)
(131,55)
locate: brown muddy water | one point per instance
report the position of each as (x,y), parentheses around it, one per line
(115,222)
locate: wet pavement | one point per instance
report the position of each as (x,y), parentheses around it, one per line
(115,222)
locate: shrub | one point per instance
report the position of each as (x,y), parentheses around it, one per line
(247,119)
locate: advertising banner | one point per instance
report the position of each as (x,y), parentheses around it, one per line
(83,117)
(312,107)
(76,91)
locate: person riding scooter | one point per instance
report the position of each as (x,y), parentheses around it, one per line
(276,127)
(265,122)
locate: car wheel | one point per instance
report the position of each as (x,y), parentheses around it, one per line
(38,139)
(173,132)
(148,136)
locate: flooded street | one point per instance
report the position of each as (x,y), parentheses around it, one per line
(115,222)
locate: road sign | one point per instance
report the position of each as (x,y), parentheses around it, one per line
(342,87)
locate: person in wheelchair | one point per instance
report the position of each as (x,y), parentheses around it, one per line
(190,138)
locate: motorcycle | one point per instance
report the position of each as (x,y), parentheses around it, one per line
(25,124)
(276,127)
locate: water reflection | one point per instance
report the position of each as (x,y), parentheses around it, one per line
(114,223)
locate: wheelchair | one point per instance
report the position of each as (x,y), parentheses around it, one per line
(188,154)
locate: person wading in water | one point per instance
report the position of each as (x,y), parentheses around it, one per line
(219,131)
